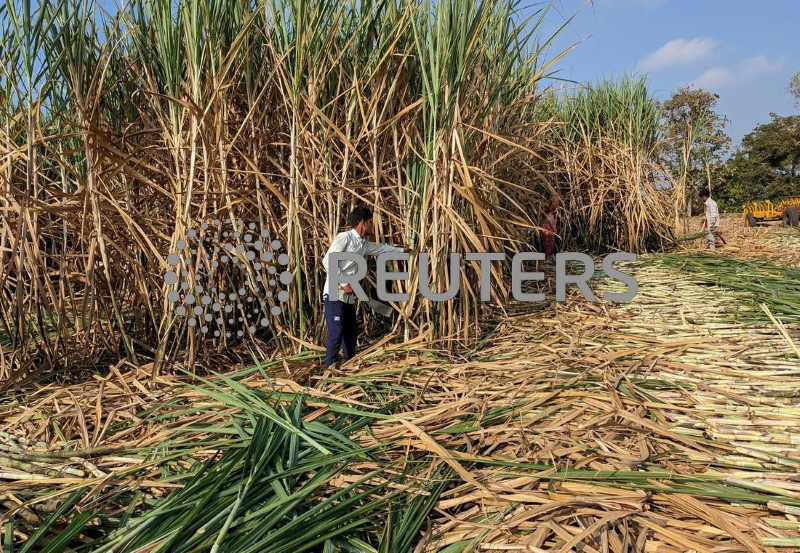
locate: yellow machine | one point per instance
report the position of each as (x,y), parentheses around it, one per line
(788,210)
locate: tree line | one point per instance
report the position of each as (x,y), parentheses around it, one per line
(697,153)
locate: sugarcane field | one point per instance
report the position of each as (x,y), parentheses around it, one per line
(399,276)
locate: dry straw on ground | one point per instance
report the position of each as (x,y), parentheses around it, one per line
(658,425)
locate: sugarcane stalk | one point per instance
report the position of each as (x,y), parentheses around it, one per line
(781,542)
(72,454)
(34,467)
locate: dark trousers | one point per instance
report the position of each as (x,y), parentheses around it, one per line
(342,330)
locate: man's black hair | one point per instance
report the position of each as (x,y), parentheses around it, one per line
(359,214)
(705,194)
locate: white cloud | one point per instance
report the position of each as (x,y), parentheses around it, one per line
(750,69)
(679,52)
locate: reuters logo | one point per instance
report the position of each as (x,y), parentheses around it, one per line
(227,280)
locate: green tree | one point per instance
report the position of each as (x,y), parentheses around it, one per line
(694,144)
(777,143)
(744,178)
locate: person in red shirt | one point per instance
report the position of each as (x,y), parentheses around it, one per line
(549,229)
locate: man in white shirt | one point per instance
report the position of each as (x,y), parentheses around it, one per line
(340,312)
(712,220)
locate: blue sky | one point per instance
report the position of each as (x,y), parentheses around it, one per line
(745,51)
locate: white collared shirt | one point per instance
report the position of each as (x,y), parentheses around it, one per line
(351,241)
(712,213)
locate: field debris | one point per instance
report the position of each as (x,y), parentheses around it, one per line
(657,425)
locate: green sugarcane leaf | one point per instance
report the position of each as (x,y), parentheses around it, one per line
(65,536)
(50,521)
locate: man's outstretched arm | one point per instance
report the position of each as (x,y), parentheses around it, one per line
(377,249)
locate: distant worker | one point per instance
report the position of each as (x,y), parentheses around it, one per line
(549,229)
(340,312)
(711,222)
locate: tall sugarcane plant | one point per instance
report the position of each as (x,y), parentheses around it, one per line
(610,132)
(124,131)
(28,83)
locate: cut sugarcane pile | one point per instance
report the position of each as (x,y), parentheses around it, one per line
(666,424)
(33,460)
